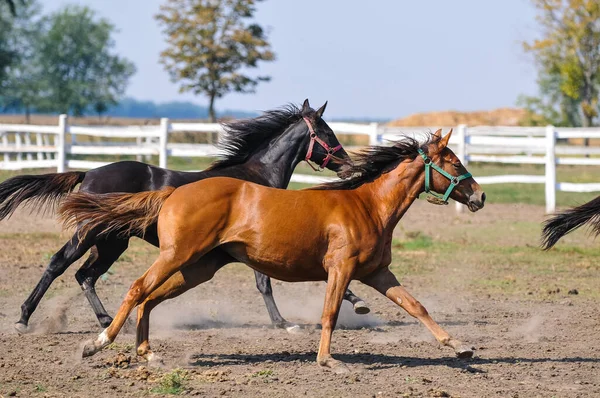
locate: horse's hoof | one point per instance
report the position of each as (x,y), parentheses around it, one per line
(89,349)
(294,329)
(22,328)
(333,365)
(464,352)
(361,308)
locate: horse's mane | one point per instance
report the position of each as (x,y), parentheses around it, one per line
(243,137)
(374,161)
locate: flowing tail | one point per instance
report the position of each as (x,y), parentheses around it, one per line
(121,213)
(569,220)
(36,191)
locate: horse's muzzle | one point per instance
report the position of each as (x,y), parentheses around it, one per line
(476,201)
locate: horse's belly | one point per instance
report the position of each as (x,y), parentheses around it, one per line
(281,264)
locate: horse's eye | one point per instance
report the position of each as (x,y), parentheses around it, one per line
(456,165)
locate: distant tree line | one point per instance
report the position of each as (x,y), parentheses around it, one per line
(58,63)
(131,107)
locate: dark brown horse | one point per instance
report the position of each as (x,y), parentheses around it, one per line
(336,232)
(264,150)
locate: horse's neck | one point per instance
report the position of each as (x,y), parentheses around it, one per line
(393,193)
(277,160)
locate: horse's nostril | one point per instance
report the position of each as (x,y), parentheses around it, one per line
(483,197)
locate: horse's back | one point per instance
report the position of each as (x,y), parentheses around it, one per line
(125,176)
(130,176)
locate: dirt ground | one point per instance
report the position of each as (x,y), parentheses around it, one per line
(480,275)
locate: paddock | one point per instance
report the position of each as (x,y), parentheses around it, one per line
(531,315)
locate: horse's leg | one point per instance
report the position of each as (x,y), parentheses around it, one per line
(386,283)
(168,262)
(60,261)
(263,284)
(360,307)
(337,283)
(180,282)
(106,252)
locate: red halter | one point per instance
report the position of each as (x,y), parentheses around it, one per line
(313,138)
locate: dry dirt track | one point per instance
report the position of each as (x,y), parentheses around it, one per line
(527,345)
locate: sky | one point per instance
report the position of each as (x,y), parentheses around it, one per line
(375,59)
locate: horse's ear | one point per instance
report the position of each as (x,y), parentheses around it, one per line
(444,141)
(321,110)
(305,106)
(438,134)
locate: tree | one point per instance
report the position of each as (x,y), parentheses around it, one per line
(81,72)
(568,59)
(210,43)
(11,6)
(7,52)
(22,86)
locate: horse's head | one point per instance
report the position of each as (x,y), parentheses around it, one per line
(323,147)
(446,176)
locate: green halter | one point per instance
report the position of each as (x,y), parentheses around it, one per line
(454,181)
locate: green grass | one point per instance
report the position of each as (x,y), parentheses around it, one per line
(498,259)
(120,346)
(171,383)
(534,193)
(521,193)
(263,373)
(40,388)
(414,241)
(496,193)
(32,235)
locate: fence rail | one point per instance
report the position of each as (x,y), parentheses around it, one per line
(27,146)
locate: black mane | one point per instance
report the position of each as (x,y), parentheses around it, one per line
(243,137)
(374,161)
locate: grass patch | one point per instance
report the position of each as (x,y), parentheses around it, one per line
(416,254)
(40,388)
(36,236)
(415,240)
(485,261)
(172,383)
(534,193)
(496,193)
(120,346)
(263,373)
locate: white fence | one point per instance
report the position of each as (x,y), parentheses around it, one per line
(27,146)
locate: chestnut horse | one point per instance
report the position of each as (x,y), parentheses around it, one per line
(335,232)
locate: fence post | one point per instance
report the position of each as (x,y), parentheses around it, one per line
(5,145)
(18,146)
(61,144)
(139,141)
(550,169)
(461,152)
(162,142)
(374,134)
(28,143)
(39,142)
